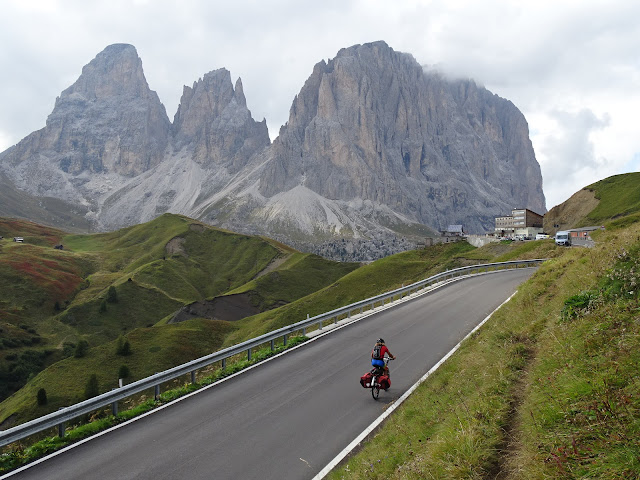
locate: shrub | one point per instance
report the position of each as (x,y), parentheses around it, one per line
(68,349)
(81,349)
(124,372)
(92,389)
(577,304)
(112,295)
(123,347)
(42,397)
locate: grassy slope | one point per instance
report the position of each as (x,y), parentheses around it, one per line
(300,275)
(616,197)
(152,350)
(619,196)
(152,282)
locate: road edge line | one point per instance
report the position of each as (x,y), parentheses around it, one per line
(360,438)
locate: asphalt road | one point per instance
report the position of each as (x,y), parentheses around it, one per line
(289,417)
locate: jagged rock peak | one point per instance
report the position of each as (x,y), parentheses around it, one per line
(107,122)
(213,121)
(207,97)
(116,71)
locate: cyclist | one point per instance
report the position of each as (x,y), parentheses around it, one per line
(377,356)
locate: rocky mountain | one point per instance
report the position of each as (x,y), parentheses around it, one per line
(376,146)
(108,123)
(373,140)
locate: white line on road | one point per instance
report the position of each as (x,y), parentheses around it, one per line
(334,463)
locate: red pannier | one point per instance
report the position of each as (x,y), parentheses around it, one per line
(365,380)
(383,380)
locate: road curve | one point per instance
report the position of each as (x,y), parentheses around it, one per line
(287,418)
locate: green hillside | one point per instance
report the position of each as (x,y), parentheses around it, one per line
(614,200)
(619,196)
(102,286)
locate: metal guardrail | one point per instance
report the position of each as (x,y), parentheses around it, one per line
(66,414)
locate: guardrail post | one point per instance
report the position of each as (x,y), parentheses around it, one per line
(272,346)
(249,354)
(224,363)
(156,392)
(193,376)
(319,325)
(61,426)
(335,319)
(114,408)
(284,340)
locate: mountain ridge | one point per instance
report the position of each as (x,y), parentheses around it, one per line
(374,144)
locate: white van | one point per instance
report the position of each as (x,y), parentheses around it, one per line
(563,238)
(541,236)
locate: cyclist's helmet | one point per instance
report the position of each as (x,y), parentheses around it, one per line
(380,340)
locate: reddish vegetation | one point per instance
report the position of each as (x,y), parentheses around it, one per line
(59,280)
(10,227)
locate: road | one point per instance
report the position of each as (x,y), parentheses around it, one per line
(289,417)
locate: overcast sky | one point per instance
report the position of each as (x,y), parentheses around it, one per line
(571,67)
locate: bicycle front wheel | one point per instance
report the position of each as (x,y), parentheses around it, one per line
(375,391)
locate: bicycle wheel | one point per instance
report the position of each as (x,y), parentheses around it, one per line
(375,391)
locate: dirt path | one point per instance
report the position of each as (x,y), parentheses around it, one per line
(505,468)
(275,263)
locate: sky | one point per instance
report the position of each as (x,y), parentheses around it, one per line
(571,67)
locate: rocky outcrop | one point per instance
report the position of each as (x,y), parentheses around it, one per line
(215,125)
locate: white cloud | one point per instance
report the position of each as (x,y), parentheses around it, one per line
(566,151)
(571,58)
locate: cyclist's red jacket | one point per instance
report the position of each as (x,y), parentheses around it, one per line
(383,350)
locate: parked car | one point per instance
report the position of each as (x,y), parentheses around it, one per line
(563,238)
(541,236)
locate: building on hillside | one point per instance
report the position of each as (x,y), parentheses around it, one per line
(453,233)
(583,233)
(522,222)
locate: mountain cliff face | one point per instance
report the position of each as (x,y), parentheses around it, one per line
(374,145)
(375,140)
